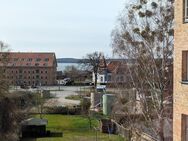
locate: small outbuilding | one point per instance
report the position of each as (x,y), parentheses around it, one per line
(34,127)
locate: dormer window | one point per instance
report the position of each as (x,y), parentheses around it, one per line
(186,10)
(29,59)
(46,59)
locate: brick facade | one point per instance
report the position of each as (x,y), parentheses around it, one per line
(31,69)
(180,89)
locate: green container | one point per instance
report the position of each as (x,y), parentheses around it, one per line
(108,101)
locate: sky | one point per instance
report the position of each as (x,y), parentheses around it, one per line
(70,28)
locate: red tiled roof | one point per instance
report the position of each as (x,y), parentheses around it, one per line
(113,65)
(30,59)
(116,67)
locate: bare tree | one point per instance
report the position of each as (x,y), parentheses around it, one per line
(92,62)
(145,36)
(9,117)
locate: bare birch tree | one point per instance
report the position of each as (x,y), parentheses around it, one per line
(145,35)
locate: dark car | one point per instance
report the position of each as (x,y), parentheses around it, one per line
(34,86)
(24,86)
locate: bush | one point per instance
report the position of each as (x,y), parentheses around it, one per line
(63,110)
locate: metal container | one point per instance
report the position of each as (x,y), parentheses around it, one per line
(108,101)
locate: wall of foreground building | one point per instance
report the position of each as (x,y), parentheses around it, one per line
(180,89)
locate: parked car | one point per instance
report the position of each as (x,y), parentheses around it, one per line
(23,86)
(101,88)
(34,86)
(68,81)
(88,83)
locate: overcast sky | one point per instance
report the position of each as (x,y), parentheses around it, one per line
(70,28)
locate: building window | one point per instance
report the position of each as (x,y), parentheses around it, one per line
(28,64)
(37,71)
(186,10)
(20,76)
(36,64)
(184,126)
(109,78)
(45,64)
(101,79)
(20,71)
(122,78)
(185,66)
(15,59)
(29,59)
(38,59)
(46,59)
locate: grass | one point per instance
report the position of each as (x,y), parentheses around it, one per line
(75,128)
(74,97)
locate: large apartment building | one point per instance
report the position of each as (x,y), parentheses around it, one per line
(180,109)
(29,68)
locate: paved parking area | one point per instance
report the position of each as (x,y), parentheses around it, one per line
(59,92)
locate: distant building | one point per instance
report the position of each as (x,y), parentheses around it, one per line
(113,72)
(29,68)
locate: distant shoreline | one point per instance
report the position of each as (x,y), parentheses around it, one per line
(78,61)
(69,60)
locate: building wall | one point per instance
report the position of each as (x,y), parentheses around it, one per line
(99,78)
(180,90)
(31,75)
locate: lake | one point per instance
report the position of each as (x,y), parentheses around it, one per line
(62,66)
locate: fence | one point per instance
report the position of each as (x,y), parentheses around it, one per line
(132,136)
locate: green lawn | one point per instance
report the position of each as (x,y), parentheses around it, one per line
(75,128)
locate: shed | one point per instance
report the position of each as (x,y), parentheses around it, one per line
(34,127)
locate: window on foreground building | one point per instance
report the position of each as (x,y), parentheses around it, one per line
(185,10)
(184,127)
(185,66)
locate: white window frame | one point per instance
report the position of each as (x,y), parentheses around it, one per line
(186,10)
